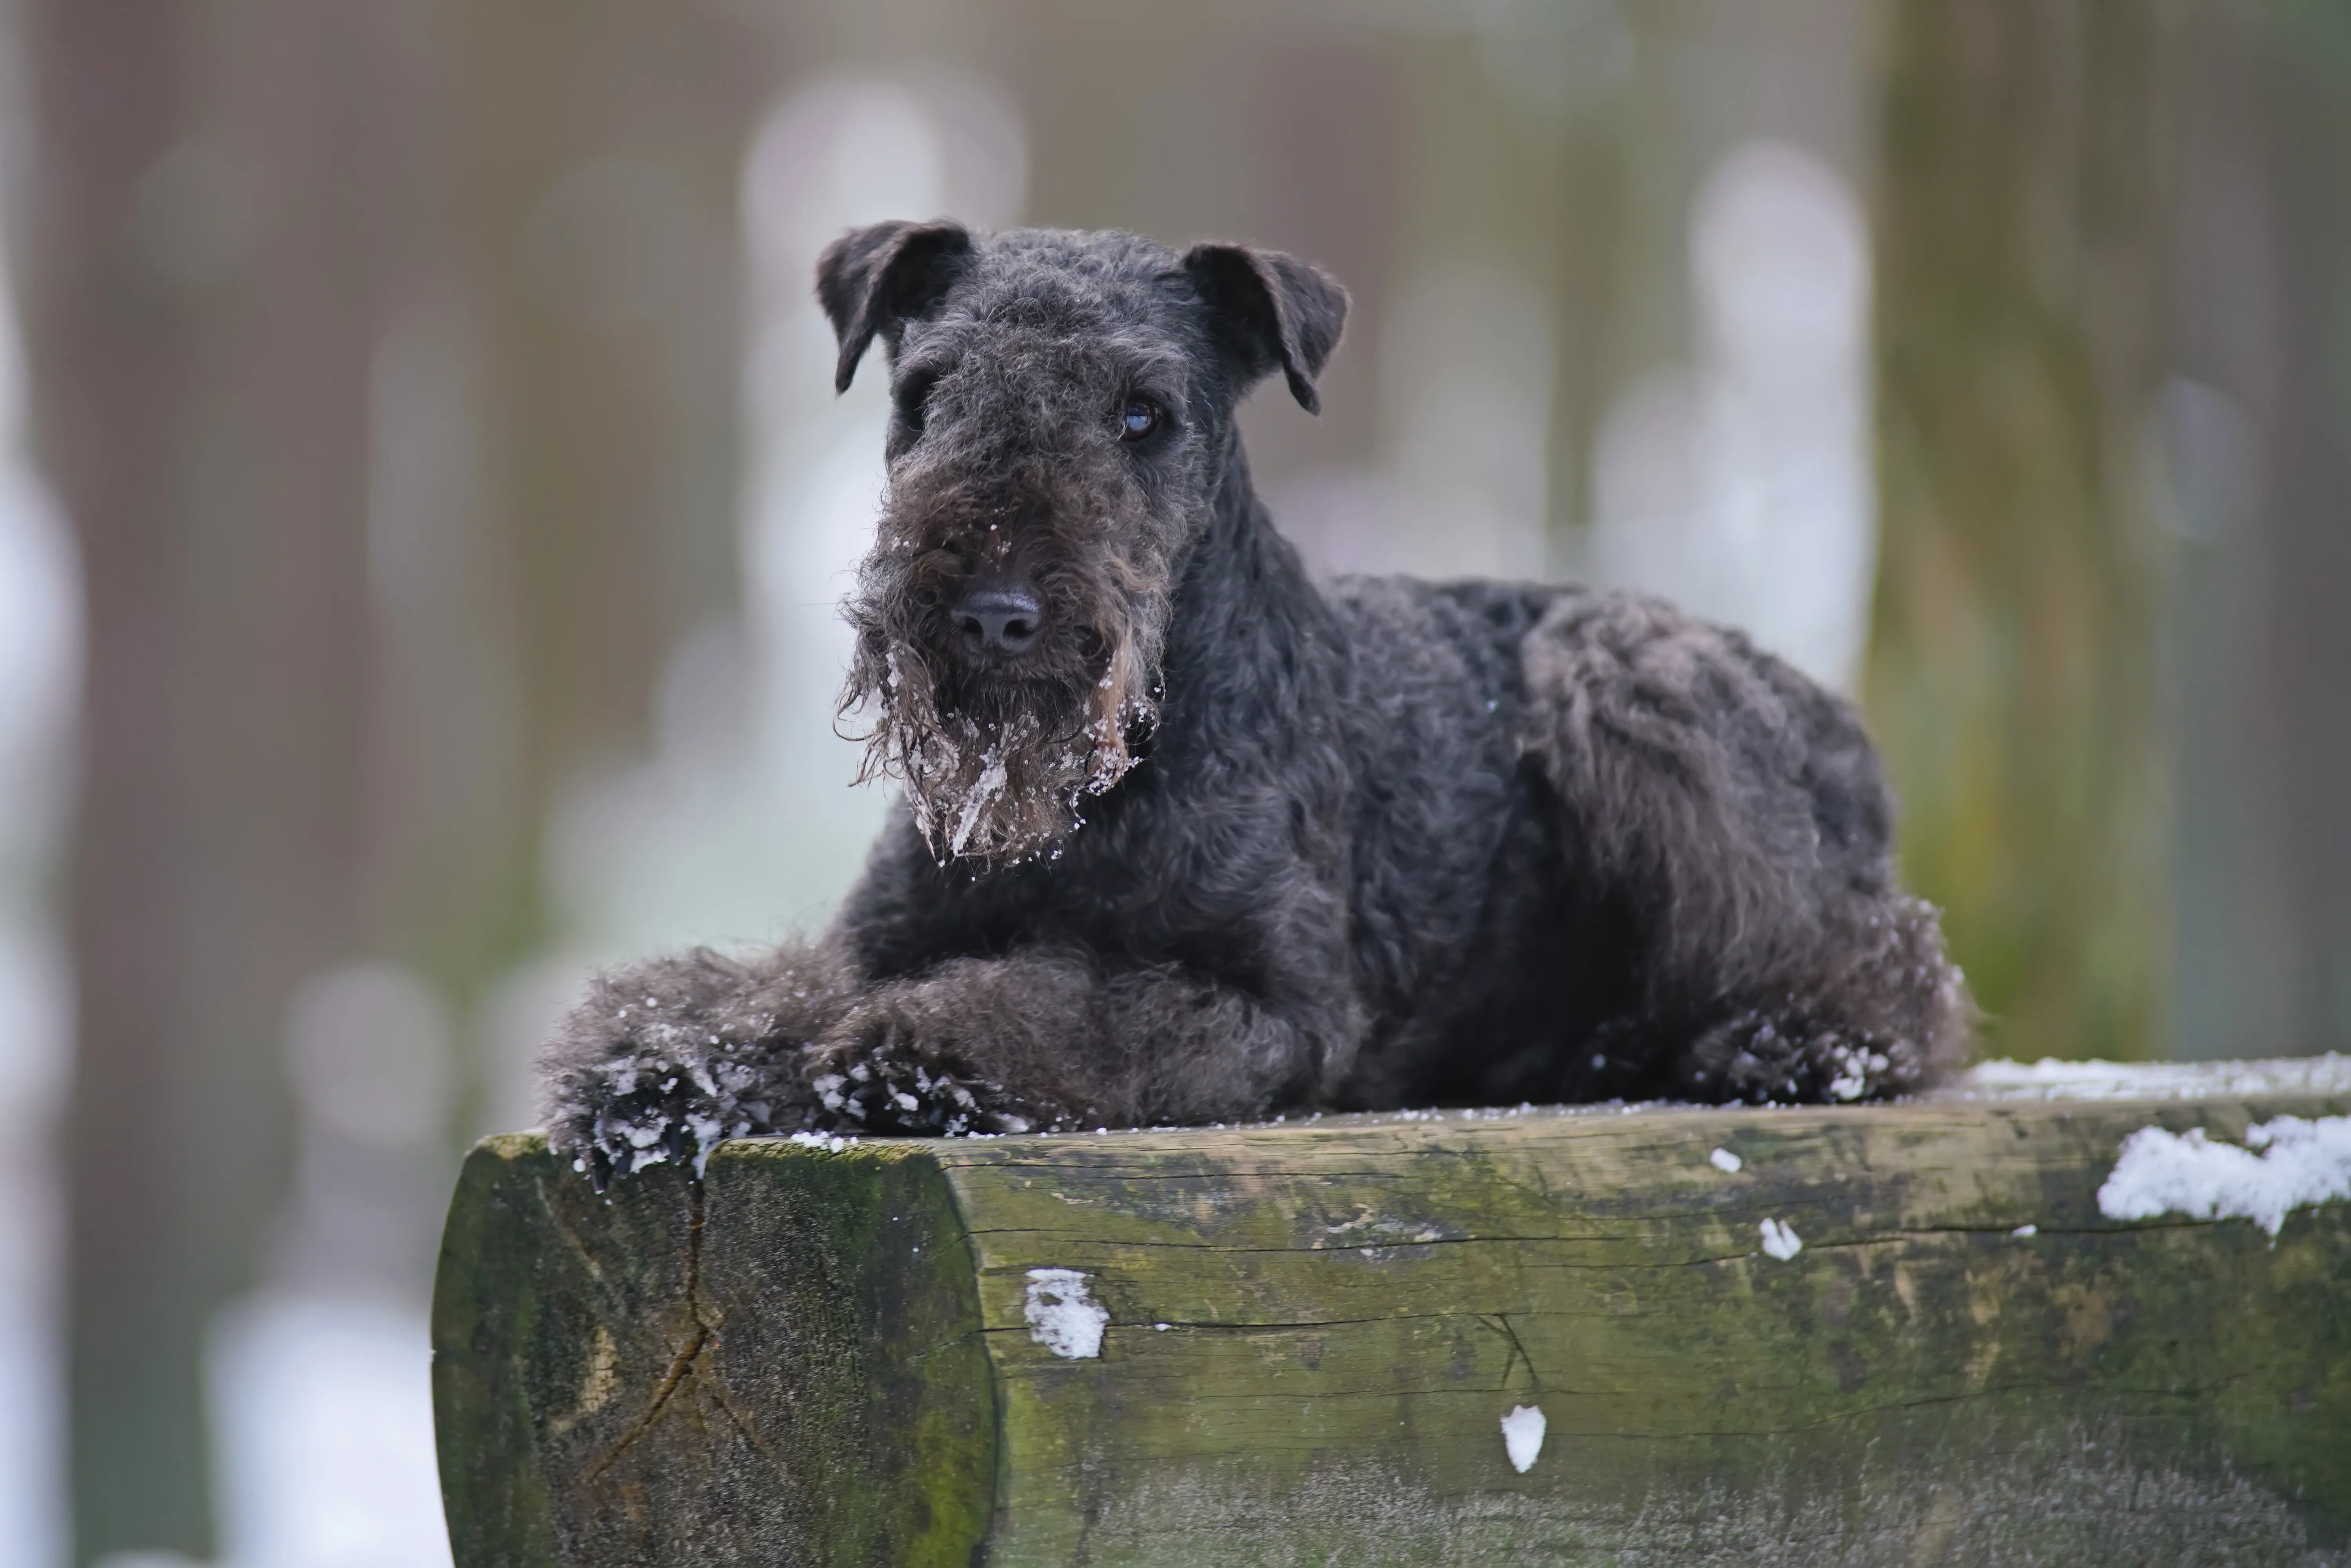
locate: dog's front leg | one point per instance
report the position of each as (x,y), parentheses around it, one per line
(1055,1039)
(666,1057)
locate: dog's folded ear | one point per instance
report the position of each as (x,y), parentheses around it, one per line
(1271,310)
(873,281)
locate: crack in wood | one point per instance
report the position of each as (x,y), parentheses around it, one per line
(680,1365)
(1500,1323)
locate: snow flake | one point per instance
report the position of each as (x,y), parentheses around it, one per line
(1780,1240)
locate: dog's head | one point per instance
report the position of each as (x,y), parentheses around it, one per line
(1062,418)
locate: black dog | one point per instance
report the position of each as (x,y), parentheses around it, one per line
(1186,838)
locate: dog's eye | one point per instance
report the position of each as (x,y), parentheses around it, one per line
(1138,419)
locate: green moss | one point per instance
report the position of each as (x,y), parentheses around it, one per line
(485,1305)
(1349,1311)
(782,1364)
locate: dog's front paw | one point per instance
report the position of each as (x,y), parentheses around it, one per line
(880,1074)
(665,1059)
(1762,1059)
(893,1095)
(653,1113)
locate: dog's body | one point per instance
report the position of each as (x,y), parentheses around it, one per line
(1190,839)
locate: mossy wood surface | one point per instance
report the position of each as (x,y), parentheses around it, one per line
(1315,1331)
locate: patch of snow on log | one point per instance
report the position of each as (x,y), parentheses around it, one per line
(1523,1435)
(2052,1079)
(1780,1240)
(1725,1160)
(2300,1163)
(1063,1317)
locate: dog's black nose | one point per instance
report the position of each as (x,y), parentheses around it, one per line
(1001,618)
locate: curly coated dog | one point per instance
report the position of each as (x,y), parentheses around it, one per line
(1186,837)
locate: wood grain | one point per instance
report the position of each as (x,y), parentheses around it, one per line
(1315,1331)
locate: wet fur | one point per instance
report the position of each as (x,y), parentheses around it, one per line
(1228,843)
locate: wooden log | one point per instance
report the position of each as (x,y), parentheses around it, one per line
(1304,1344)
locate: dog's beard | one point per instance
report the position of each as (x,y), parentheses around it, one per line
(997,766)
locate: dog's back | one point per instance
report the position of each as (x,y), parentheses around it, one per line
(1587,827)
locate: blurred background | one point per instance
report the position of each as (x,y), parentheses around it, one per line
(422,506)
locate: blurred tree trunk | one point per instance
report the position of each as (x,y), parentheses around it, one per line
(2252,437)
(2305,108)
(571,291)
(2013,672)
(383,359)
(197,280)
